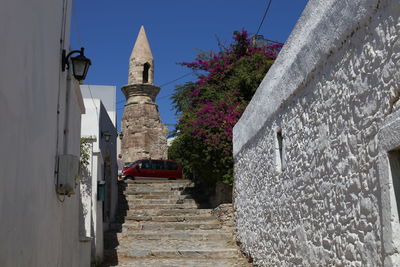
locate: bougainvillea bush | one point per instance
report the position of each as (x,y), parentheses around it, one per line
(209,107)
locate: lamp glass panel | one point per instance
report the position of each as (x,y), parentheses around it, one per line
(87,65)
(79,67)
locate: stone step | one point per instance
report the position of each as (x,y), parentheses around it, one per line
(162,226)
(146,190)
(161,194)
(152,185)
(198,235)
(160,201)
(190,218)
(155,187)
(144,194)
(131,191)
(158,181)
(138,226)
(174,244)
(177,248)
(177,262)
(152,197)
(206,253)
(161,206)
(168,212)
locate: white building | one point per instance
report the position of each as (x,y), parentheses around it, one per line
(40,111)
(316,151)
(99,208)
(108,96)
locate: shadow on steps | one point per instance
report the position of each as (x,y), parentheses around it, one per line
(110,237)
(199,195)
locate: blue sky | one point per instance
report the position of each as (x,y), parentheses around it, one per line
(176,29)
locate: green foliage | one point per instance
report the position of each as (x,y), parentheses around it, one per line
(210,107)
(85,151)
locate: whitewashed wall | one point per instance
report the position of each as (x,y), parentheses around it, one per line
(94,122)
(108,96)
(118,146)
(36,227)
(333,92)
(109,153)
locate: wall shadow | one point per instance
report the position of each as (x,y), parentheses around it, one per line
(200,194)
(111,236)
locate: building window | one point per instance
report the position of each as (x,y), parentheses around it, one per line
(279,151)
(389,181)
(146,68)
(394,160)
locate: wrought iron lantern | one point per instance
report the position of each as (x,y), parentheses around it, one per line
(106,135)
(80,63)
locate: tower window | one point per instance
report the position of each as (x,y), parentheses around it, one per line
(146,68)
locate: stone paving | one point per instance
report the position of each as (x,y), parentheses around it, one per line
(161,225)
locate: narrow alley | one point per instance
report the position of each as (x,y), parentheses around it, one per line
(204,134)
(161,225)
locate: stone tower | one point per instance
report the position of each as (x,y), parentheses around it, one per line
(144,136)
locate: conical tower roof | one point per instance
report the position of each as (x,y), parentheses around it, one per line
(141,51)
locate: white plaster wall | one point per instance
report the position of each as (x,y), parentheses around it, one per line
(108,96)
(86,197)
(36,228)
(94,218)
(90,121)
(170,140)
(331,203)
(94,122)
(118,146)
(97,219)
(109,154)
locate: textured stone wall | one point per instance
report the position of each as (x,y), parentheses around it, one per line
(141,55)
(144,136)
(222,194)
(324,208)
(136,68)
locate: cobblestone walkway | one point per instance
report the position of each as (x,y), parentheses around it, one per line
(161,225)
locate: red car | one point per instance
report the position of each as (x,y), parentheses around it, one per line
(151,168)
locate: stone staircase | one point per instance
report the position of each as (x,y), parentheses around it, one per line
(161,225)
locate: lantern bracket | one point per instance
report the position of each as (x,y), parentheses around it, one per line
(80,63)
(65,57)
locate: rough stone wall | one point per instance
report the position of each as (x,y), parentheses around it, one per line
(225,214)
(222,194)
(144,134)
(136,69)
(324,208)
(141,54)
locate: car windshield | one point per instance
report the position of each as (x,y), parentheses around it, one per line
(131,164)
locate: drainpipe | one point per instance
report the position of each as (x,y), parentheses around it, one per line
(67,109)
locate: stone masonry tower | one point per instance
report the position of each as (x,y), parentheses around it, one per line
(144,136)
